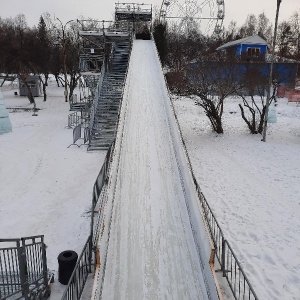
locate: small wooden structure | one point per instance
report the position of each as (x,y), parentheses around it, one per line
(34,83)
(251,53)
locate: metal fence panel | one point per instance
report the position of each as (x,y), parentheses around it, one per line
(214,227)
(23,269)
(73,119)
(10,282)
(230,266)
(80,274)
(236,277)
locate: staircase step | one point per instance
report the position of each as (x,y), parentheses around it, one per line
(110,95)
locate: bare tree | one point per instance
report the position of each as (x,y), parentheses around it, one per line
(72,58)
(285,40)
(17,50)
(294,22)
(264,27)
(160,37)
(43,51)
(252,93)
(249,27)
(210,83)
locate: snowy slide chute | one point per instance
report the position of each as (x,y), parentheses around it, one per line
(153,243)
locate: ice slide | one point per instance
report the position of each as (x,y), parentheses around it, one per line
(153,244)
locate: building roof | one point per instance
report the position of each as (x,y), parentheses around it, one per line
(254,39)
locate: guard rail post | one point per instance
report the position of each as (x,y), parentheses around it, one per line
(223,257)
(23,269)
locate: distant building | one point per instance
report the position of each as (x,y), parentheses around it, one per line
(252,53)
(245,60)
(252,48)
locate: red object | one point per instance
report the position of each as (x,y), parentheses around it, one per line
(294,96)
(280,91)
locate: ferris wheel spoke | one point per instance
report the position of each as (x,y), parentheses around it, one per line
(181,8)
(206,15)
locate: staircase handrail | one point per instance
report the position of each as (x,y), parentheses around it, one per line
(96,99)
(238,282)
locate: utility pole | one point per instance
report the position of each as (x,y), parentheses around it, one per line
(271,72)
(63,27)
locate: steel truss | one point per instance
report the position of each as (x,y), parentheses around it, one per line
(186,15)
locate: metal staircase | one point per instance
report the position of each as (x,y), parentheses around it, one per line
(91,81)
(106,110)
(104,57)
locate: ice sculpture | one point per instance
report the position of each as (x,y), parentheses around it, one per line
(272,118)
(5,124)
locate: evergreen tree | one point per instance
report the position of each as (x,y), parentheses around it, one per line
(160,37)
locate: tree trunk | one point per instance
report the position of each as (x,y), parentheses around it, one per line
(44,85)
(4,80)
(261,122)
(57,81)
(44,91)
(251,126)
(216,122)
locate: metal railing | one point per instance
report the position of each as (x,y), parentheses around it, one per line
(214,227)
(133,8)
(73,120)
(230,266)
(80,274)
(236,277)
(86,259)
(98,186)
(10,273)
(104,172)
(96,26)
(23,268)
(95,100)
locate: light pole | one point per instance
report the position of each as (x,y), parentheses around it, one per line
(63,27)
(271,72)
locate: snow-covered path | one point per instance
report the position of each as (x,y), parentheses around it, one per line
(151,250)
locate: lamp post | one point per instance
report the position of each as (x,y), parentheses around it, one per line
(63,27)
(271,72)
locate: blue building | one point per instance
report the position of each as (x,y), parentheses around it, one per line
(245,60)
(251,49)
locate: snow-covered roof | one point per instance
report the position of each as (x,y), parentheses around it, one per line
(254,39)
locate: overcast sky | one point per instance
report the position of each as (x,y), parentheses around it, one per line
(66,10)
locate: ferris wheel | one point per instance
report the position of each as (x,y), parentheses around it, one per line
(204,15)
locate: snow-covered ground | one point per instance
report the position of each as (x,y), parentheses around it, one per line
(254,189)
(46,188)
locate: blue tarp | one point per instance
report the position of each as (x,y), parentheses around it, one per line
(284,73)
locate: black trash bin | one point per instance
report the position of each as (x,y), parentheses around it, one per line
(66,264)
